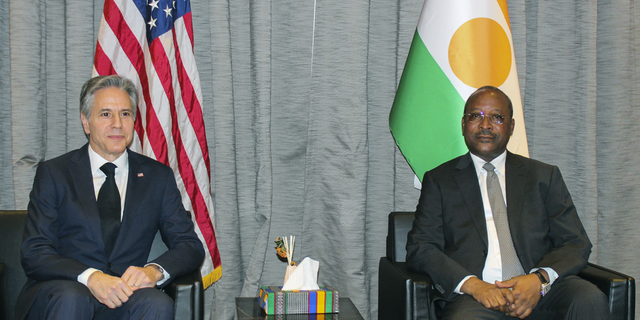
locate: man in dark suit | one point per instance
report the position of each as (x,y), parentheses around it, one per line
(493,257)
(82,263)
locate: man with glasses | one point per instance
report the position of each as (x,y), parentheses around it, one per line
(497,232)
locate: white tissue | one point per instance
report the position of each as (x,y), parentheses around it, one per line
(304,277)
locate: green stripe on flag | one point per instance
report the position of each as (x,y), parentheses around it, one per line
(425,119)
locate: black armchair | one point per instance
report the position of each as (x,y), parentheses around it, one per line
(403,294)
(187,291)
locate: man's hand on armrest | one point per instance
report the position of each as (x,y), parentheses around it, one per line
(109,290)
(488,294)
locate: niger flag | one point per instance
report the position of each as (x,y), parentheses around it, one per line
(459,46)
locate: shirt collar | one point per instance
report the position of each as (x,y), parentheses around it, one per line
(122,163)
(498,162)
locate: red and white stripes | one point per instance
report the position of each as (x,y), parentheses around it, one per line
(169,125)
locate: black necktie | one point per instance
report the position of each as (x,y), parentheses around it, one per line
(109,207)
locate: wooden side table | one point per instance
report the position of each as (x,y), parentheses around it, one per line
(249,309)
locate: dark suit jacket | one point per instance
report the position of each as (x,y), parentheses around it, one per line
(449,236)
(62,236)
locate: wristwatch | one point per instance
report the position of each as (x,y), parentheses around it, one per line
(546,286)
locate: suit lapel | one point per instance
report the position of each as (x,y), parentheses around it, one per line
(467,180)
(135,183)
(131,202)
(80,173)
(515,180)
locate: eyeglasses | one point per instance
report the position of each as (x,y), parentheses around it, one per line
(477,117)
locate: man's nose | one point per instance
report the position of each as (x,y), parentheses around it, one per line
(117,121)
(486,122)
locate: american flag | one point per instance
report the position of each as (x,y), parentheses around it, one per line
(151,43)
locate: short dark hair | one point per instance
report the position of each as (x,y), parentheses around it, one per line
(492,88)
(88,92)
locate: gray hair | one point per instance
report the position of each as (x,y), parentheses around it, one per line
(88,92)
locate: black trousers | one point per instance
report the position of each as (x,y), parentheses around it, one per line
(570,298)
(64,299)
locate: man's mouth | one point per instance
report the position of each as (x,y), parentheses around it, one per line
(116,137)
(485,135)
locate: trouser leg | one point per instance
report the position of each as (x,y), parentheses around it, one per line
(574,298)
(465,307)
(144,304)
(70,300)
(62,300)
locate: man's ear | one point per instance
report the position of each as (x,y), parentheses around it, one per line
(85,124)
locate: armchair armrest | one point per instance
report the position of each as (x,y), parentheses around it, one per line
(619,288)
(187,293)
(402,293)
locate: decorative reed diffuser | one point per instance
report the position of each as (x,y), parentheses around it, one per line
(284,249)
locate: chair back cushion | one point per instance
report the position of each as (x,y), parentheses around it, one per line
(13,278)
(400,224)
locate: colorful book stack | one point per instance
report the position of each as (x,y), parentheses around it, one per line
(275,301)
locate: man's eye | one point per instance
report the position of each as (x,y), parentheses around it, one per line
(497,117)
(126,114)
(475,116)
(104,114)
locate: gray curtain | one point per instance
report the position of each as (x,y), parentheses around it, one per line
(296,100)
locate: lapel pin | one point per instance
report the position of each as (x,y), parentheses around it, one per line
(140,175)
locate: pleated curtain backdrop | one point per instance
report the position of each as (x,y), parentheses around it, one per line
(296,101)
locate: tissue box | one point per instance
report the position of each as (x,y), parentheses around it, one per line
(275,301)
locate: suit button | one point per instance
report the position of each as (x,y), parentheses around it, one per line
(484,253)
(109,265)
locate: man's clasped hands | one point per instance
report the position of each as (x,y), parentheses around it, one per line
(515,297)
(114,291)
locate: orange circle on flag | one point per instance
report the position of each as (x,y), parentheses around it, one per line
(480,53)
